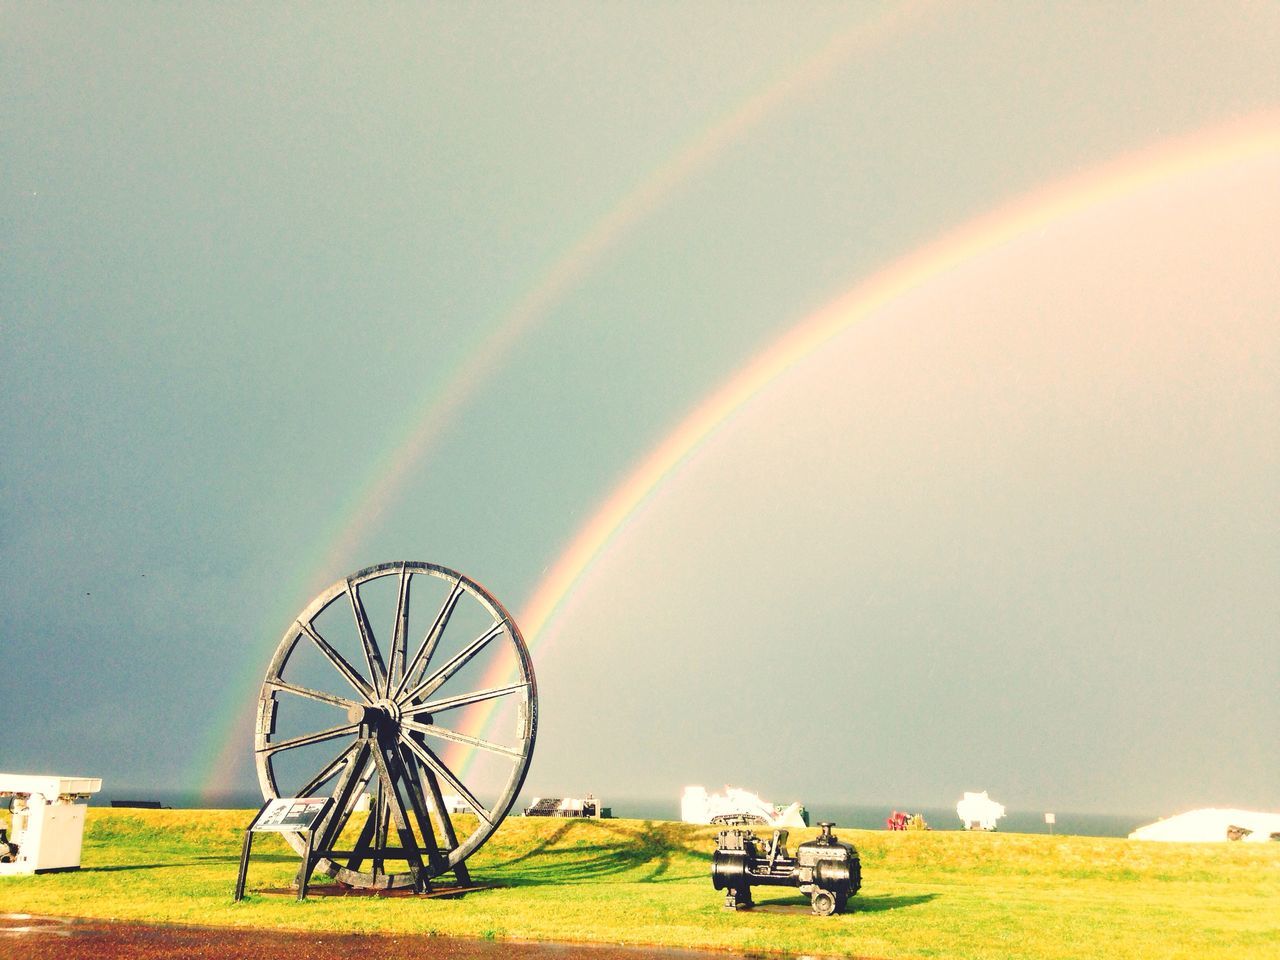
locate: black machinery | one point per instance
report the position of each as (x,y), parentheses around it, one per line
(825,868)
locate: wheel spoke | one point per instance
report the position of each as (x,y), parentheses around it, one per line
(428,757)
(358,683)
(391,796)
(319,779)
(437,679)
(432,730)
(437,801)
(413,790)
(428,800)
(310,694)
(377,669)
(462,700)
(362,782)
(343,793)
(399,639)
(432,639)
(330,734)
(380,813)
(362,847)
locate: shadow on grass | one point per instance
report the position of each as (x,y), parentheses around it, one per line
(561,859)
(589,851)
(863,904)
(799,904)
(189,862)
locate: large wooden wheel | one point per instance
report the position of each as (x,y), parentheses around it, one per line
(404,689)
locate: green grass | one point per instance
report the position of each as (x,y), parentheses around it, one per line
(953,895)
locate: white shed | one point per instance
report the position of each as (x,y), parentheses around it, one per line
(977,811)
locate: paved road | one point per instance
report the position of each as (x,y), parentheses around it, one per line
(59,938)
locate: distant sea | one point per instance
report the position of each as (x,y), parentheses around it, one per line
(871,817)
(863,817)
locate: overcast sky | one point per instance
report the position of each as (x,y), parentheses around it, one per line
(1018,529)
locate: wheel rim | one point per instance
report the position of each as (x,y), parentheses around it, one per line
(409,731)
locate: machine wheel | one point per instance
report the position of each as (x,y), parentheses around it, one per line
(824,903)
(407,727)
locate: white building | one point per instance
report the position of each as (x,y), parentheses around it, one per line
(1210,825)
(737,805)
(977,811)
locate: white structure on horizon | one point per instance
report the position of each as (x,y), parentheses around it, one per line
(698,806)
(572,807)
(1210,825)
(453,803)
(977,811)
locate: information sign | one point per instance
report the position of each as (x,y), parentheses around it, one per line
(290,815)
(301,815)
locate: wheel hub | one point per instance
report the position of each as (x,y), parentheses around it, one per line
(383,714)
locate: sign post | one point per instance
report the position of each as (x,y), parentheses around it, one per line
(286,815)
(1050,819)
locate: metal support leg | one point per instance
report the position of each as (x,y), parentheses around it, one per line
(244,865)
(308,862)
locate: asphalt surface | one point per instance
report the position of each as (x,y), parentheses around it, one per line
(63,938)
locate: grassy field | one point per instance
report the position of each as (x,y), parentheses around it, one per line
(945,894)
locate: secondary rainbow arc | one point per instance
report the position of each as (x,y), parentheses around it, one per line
(391,472)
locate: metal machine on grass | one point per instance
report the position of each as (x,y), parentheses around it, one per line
(826,869)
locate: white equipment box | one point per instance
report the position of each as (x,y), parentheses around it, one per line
(46,824)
